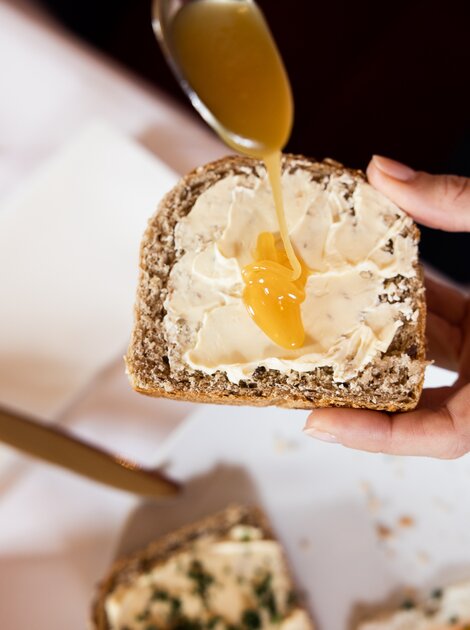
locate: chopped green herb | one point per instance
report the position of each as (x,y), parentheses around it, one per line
(213,621)
(263,586)
(160,595)
(143,616)
(183,623)
(408,604)
(453,620)
(292,599)
(175,607)
(436,593)
(251,620)
(201,578)
(265,595)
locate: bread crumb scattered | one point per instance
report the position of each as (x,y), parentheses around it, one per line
(373,503)
(284,445)
(383,531)
(422,557)
(406,521)
(304,543)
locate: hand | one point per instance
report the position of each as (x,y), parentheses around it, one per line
(440,426)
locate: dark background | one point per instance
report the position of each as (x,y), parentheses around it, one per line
(368,77)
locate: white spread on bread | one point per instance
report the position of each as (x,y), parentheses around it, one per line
(240,580)
(446,609)
(353,243)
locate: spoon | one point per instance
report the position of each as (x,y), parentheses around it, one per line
(224,56)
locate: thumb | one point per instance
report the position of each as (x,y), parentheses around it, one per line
(438,201)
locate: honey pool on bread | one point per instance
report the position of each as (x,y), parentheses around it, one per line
(272,295)
(357,245)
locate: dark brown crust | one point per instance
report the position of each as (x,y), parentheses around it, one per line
(393,383)
(125,570)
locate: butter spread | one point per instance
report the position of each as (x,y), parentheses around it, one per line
(357,245)
(218,583)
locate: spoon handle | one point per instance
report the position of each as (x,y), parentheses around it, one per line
(58,446)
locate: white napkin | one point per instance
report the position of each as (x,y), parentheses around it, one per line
(69,243)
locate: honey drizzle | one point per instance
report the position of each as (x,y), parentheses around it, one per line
(273,167)
(273,296)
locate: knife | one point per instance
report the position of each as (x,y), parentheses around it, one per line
(61,448)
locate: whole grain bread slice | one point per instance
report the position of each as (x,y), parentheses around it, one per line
(125,571)
(392,381)
(447,607)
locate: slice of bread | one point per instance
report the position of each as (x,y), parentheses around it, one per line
(391,380)
(226,571)
(444,608)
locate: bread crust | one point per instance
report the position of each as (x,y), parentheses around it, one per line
(393,383)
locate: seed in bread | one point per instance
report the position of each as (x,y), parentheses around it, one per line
(364,310)
(227,571)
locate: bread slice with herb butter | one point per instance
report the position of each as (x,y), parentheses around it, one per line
(227,572)
(364,312)
(447,608)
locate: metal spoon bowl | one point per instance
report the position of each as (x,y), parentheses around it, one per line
(163,13)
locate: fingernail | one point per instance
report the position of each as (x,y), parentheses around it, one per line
(394,169)
(324,436)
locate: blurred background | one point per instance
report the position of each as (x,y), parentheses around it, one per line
(367,77)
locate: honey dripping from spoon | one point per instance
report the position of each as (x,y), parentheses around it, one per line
(230,60)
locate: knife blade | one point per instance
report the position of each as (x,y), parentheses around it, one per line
(60,447)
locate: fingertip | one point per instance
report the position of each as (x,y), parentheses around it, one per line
(355,428)
(375,161)
(377,177)
(324,418)
(393,169)
(335,421)
(371,169)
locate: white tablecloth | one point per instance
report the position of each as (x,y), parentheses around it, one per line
(57,531)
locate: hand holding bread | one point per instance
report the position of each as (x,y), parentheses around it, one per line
(440,426)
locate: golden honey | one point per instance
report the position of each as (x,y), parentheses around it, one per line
(230,60)
(272,296)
